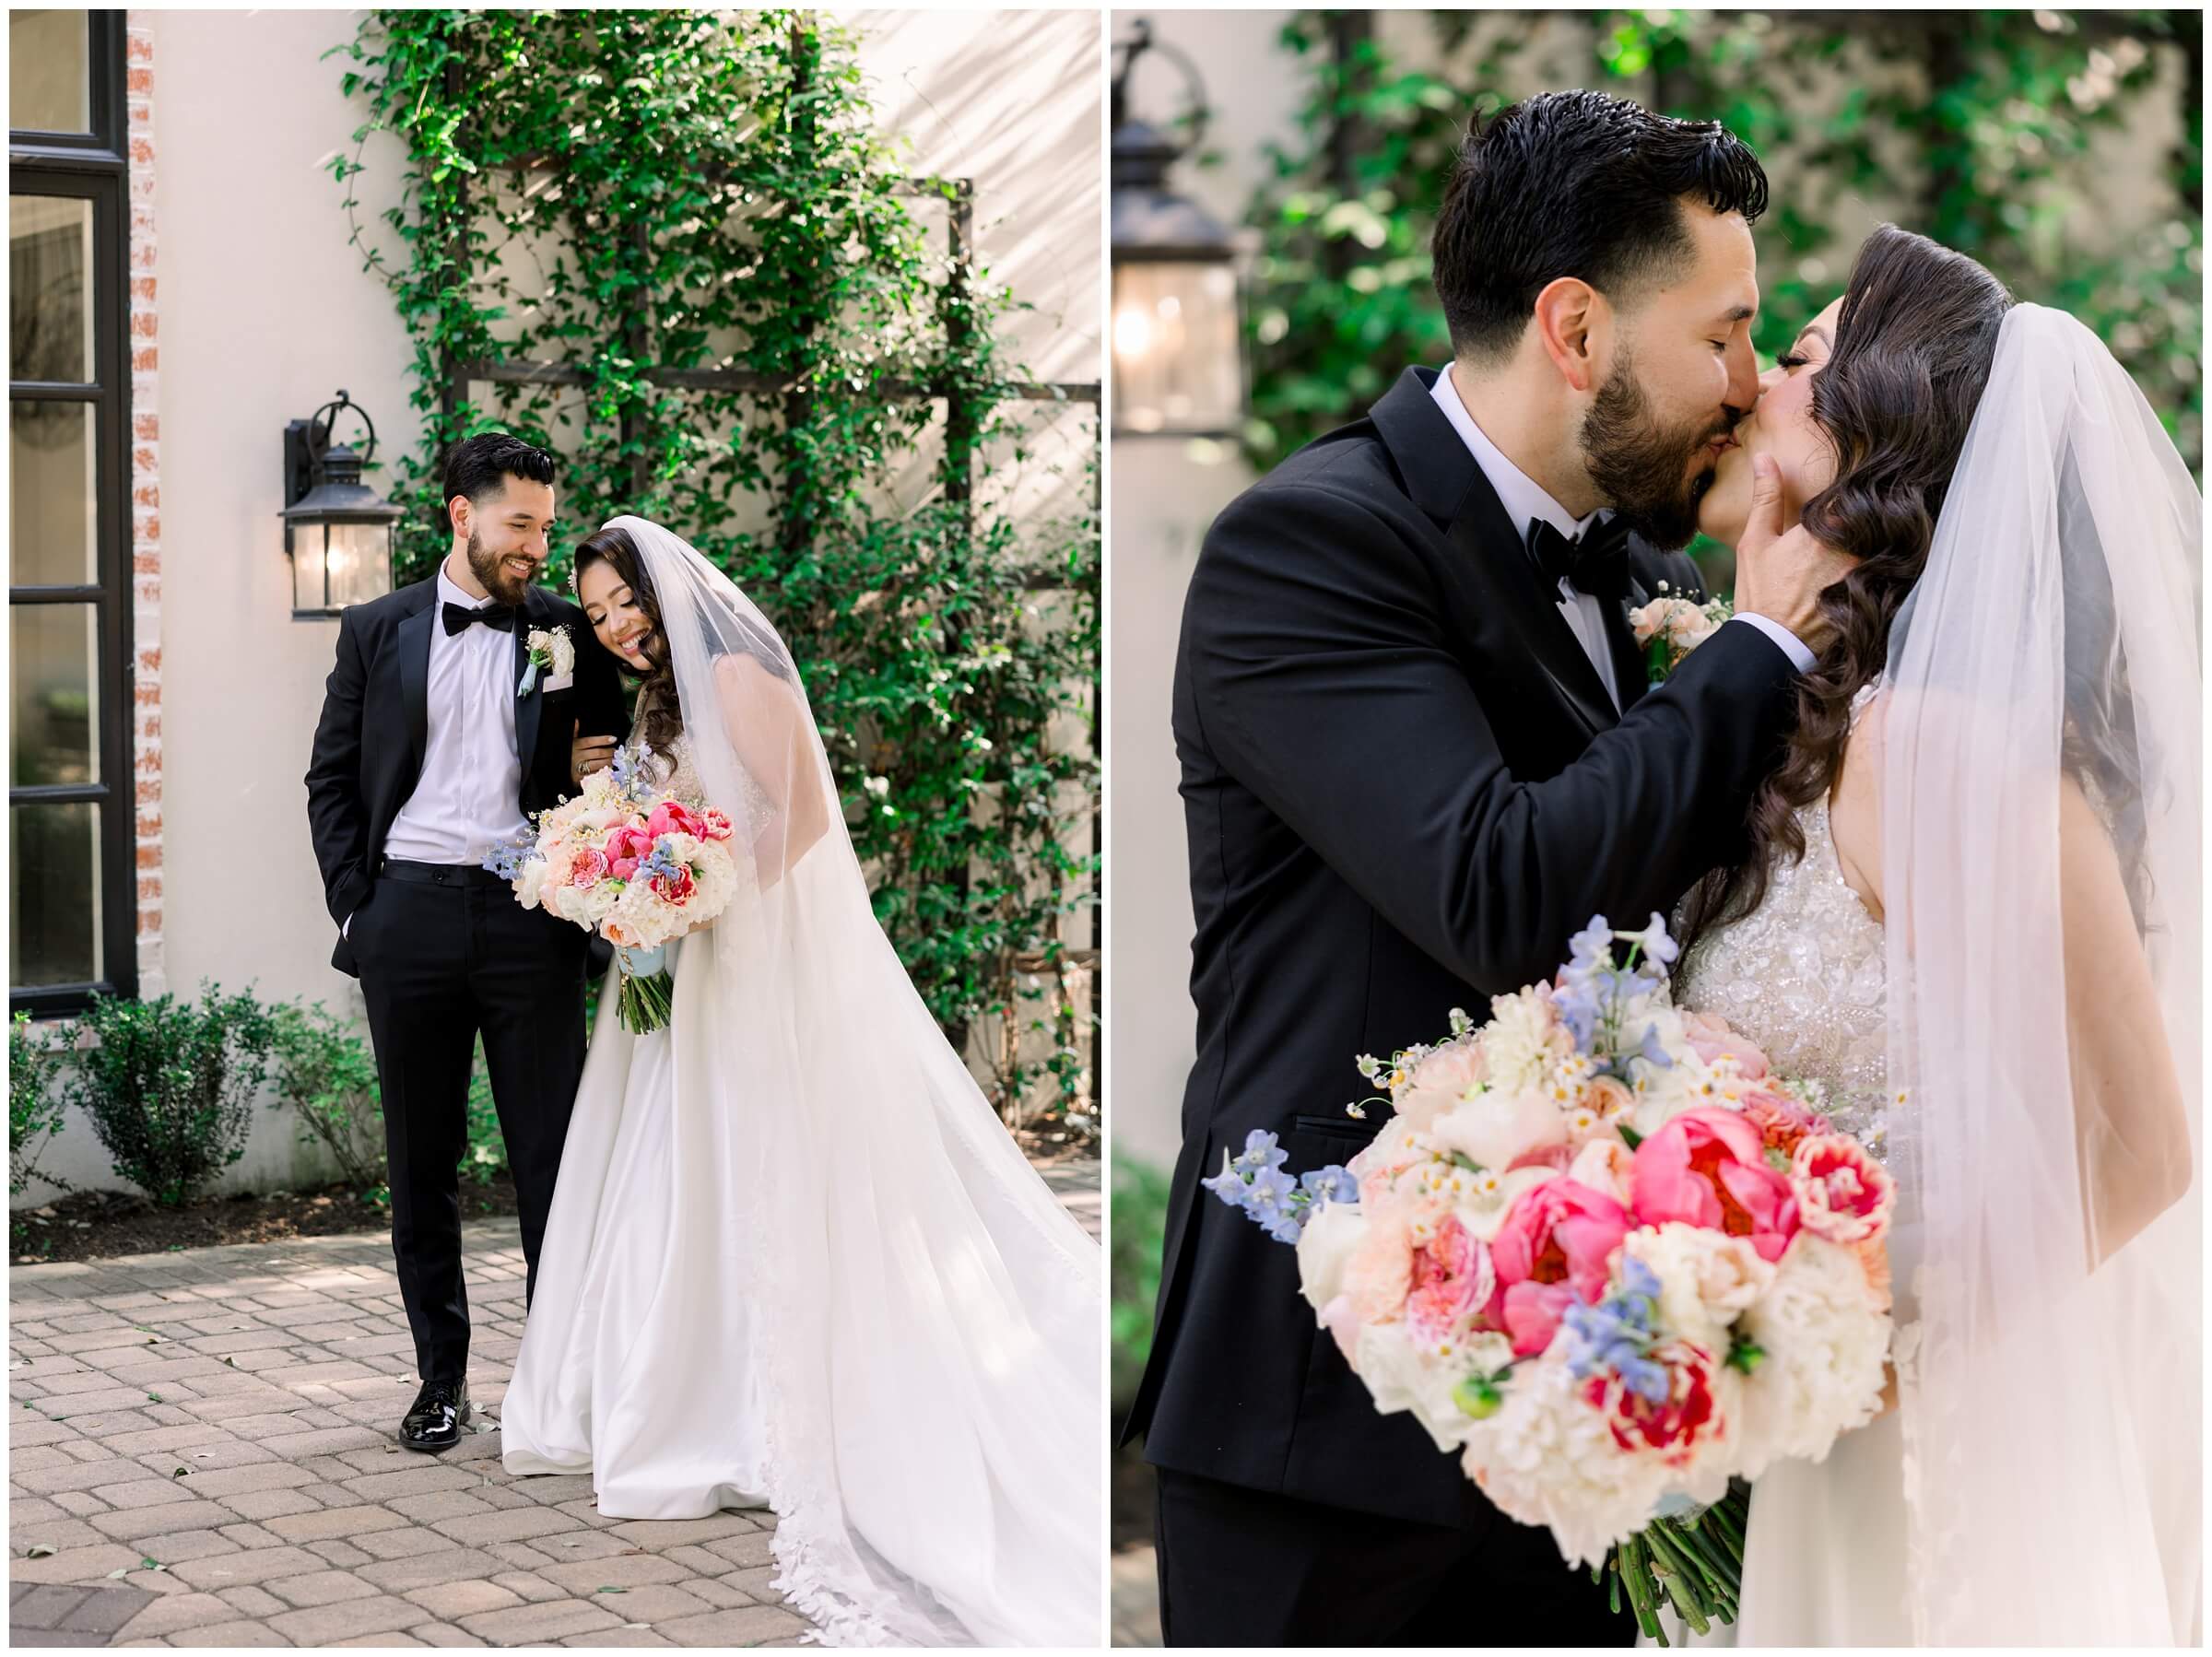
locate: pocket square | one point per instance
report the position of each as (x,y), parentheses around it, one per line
(563,683)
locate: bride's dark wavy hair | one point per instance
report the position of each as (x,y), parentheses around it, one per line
(1914,344)
(661,708)
(663,714)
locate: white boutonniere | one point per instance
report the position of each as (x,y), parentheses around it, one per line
(548,648)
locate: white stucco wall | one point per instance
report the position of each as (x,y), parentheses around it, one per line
(265,311)
(1165,492)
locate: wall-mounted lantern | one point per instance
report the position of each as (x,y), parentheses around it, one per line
(1178,341)
(337,532)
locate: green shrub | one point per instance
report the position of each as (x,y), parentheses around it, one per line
(1140,1222)
(35,1111)
(170,1087)
(326,1076)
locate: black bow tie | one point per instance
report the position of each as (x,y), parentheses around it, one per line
(458,617)
(1595,562)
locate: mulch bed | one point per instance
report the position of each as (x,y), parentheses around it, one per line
(97,1225)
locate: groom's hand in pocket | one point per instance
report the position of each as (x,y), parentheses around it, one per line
(588,754)
(1780,570)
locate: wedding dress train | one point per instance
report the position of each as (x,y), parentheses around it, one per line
(793,1259)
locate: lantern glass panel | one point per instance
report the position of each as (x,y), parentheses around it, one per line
(307,565)
(361,563)
(1177,366)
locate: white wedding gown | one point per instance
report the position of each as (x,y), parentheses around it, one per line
(1804,978)
(926,1493)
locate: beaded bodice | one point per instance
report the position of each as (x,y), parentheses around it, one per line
(1804,976)
(676,771)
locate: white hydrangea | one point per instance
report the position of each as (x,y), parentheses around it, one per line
(1548,1458)
(1707,1280)
(1519,1043)
(1826,1338)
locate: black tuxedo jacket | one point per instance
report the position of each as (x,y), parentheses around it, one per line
(1405,788)
(375,725)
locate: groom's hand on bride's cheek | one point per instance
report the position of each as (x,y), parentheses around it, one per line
(1780,570)
(588,754)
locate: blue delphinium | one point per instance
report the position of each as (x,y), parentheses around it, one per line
(1280,1206)
(509,859)
(1618,1334)
(629,770)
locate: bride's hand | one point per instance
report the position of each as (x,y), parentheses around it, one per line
(1780,570)
(589,754)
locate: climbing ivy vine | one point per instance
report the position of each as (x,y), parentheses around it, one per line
(1981,130)
(758,335)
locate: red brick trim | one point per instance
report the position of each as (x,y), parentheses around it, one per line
(146,497)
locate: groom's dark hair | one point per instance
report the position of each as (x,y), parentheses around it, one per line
(480,466)
(1576,184)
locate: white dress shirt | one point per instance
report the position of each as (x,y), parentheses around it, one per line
(469,798)
(1525,500)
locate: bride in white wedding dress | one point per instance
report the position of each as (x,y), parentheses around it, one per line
(794,1260)
(1970,908)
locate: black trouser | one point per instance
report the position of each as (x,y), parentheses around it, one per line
(1244,1567)
(445,952)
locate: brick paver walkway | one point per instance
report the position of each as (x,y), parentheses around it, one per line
(200,1453)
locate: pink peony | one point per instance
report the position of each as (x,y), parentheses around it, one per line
(1558,1233)
(1451,1281)
(589,869)
(1710,1039)
(1532,1313)
(673,816)
(713,825)
(1708,1168)
(1843,1193)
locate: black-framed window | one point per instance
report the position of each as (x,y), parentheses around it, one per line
(72,808)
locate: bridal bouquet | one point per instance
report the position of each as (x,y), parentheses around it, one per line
(637,867)
(1670,627)
(1606,1257)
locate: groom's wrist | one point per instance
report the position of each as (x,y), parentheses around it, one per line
(1800,658)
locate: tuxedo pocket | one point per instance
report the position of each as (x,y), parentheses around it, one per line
(564,682)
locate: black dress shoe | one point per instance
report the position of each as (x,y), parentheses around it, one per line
(441,1411)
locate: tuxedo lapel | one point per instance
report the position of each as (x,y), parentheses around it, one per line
(412,638)
(528,708)
(1629,671)
(1444,481)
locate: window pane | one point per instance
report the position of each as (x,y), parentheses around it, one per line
(51,515)
(55,706)
(49,72)
(49,294)
(53,896)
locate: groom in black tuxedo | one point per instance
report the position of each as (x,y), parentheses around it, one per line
(436,745)
(1417,753)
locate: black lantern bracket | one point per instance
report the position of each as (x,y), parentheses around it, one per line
(1151,221)
(308,452)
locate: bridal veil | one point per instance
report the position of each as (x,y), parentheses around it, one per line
(2046,672)
(930,1318)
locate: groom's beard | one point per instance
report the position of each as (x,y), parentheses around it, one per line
(491,576)
(1640,466)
